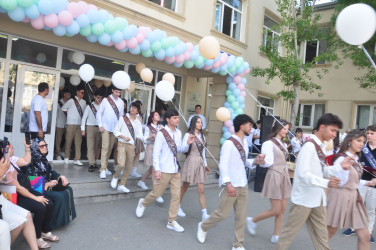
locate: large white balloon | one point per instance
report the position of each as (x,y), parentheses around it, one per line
(62,82)
(78,57)
(41,58)
(75,80)
(121,79)
(86,72)
(164,90)
(356,24)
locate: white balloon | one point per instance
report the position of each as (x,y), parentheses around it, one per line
(78,57)
(121,79)
(62,82)
(86,72)
(70,56)
(75,80)
(356,24)
(41,57)
(164,90)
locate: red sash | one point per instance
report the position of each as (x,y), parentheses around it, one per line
(240,148)
(320,154)
(114,107)
(199,145)
(152,129)
(280,147)
(130,127)
(171,144)
(78,106)
(93,109)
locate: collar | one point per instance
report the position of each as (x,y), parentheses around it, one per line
(77,98)
(317,140)
(154,126)
(351,155)
(169,130)
(127,114)
(238,139)
(62,100)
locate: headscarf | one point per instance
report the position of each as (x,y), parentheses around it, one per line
(39,165)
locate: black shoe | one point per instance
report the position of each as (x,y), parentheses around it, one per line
(91,168)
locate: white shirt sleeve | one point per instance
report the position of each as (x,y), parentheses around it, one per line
(84,118)
(138,132)
(100,112)
(181,147)
(267,149)
(157,150)
(343,175)
(117,129)
(225,161)
(67,105)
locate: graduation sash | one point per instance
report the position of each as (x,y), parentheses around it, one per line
(171,144)
(240,148)
(130,127)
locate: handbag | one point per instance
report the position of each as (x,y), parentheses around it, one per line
(37,183)
(59,186)
(291,165)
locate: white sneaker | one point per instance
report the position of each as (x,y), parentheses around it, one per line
(108,172)
(78,163)
(251,226)
(114,182)
(140,208)
(59,158)
(142,185)
(62,154)
(274,239)
(174,225)
(238,248)
(102,174)
(160,199)
(201,235)
(135,174)
(66,161)
(123,189)
(204,217)
(181,212)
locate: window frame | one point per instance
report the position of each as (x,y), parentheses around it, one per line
(317,48)
(268,108)
(162,3)
(312,115)
(232,19)
(372,108)
(265,30)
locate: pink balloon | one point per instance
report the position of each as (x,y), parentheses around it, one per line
(37,23)
(186,56)
(240,87)
(237,79)
(179,58)
(207,67)
(74,9)
(223,59)
(82,7)
(26,20)
(243,93)
(232,130)
(246,71)
(65,17)
(132,43)
(144,30)
(110,44)
(215,65)
(51,20)
(189,46)
(228,123)
(121,45)
(140,37)
(170,60)
(91,7)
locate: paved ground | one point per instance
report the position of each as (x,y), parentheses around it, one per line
(114,225)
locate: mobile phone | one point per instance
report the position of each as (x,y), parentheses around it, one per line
(27,138)
(5,147)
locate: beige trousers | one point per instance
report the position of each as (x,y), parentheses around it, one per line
(316,225)
(125,159)
(240,205)
(108,140)
(159,188)
(73,132)
(93,140)
(59,132)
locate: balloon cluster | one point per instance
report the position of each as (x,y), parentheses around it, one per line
(66,18)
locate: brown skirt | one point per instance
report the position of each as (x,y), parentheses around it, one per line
(194,170)
(345,210)
(139,146)
(148,159)
(276,185)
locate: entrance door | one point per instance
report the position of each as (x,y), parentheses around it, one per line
(26,88)
(144,94)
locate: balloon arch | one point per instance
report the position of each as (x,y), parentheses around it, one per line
(66,18)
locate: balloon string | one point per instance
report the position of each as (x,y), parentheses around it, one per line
(88,94)
(369,57)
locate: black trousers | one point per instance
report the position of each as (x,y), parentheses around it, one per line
(42,213)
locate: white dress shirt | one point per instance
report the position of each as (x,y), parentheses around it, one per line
(257,133)
(185,141)
(73,117)
(296,145)
(343,175)
(147,133)
(88,118)
(250,138)
(163,158)
(202,118)
(38,104)
(267,149)
(231,165)
(122,129)
(106,116)
(61,120)
(309,182)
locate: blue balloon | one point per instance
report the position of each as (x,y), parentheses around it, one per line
(194,55)
(242,106)
(117,36)
(124,50)
(200,66)
(178,65)
(228,79)
(103,16)
(17,15)
(227,135)
(145,45)
(46,7)
(227,105)
(240,99)
(244,80)
(60,30)
(233,116)
(47,28)
(73,28)
(222,140)
(231,110)
(93,16)
(83,20)
(215,70)
(223,68)
(2,10)
(92,38)
(60,5)
(230,61)
(232,86)
(135,51)
(208,62)
(225,129)
(104,39)
(130,31)
(152,36)
(32,12)
(170,52)
(236,92)
(160,55)
(240,70)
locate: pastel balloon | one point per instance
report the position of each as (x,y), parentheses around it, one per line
(209,47)
(73,28)
(24,3)
(104,39)
(65,18)
(17,15)
(228,123)
(37,23)
(75,80)
(222,140)
(51,20)
(107,84)
(87,31)
(74,9)
(41,58)
(232,130)
(122,45)
(45,7)
(62,82)
(223,114)
(227,135)
(60,30)
(170,60)
(169,77)
(189,64)
(32,11)
(93,16)
(132,87)
(147,53)
(83,20)
(98,83)
(78,57)
(243,93)
(117,37)
(237,79)
(121,79)
(86,72)
(165,90)
(146,75)
(139,67)
(240,87)
(132,43)
(135,51)
(145,45)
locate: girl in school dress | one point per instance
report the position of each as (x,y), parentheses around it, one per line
(345,207)
(150,132)
(195,168)
(277,185)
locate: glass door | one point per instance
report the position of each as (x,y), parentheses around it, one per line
(27,79)
(142,93)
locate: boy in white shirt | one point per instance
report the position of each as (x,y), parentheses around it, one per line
(60,124)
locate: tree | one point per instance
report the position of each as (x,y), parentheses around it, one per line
(358,57)
(299,25)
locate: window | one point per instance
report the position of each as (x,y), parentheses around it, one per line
(365,116)
(228,15)
(169,4)
(270,33)
(316,48)
(309,114)
(268,104)
(3,45)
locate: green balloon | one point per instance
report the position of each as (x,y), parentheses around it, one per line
(223,72)
(147,53)
(189,64)
(232,70)
(165,43)
(199,61)
(121,23)
(97,29)
(35,2)
(235,105)
(68,34)
(25,3)
(156,46)
(110,27)
(222,140)
(85,31)
(231,98)
(238,64)
(228,92)
(239,111)
(9,4)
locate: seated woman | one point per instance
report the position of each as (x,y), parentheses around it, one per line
(57,188)
(30,199)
